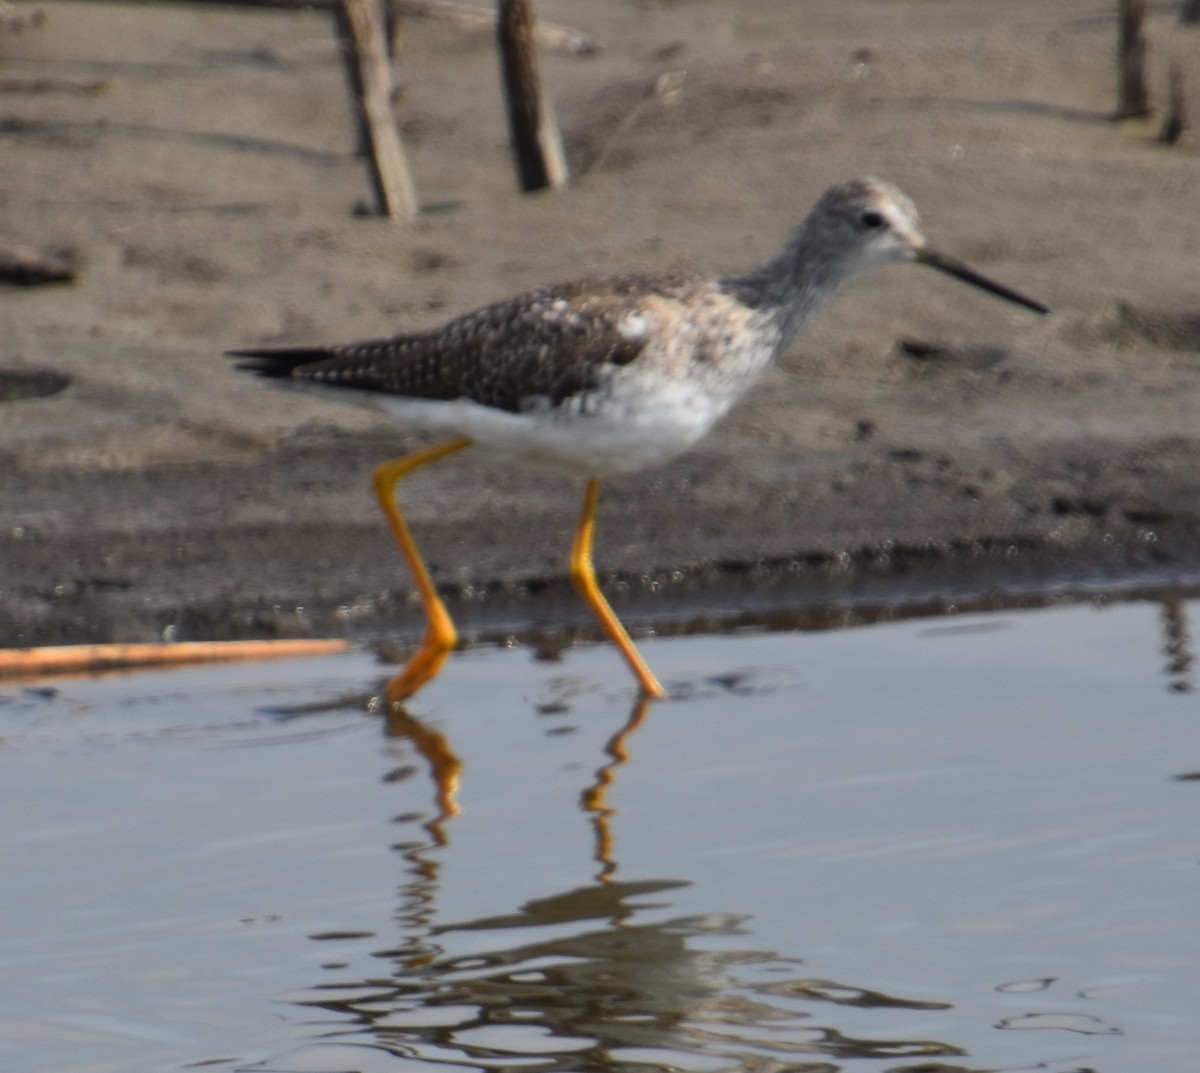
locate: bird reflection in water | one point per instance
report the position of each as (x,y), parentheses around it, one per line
(611,993)
(609,978)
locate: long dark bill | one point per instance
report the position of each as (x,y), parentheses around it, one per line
(952,266)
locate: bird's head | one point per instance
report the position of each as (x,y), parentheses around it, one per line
(869,223)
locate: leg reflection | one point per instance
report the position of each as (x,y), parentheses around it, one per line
(445,768)
(594,797)
(444,765)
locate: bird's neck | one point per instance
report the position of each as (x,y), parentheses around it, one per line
(793,285)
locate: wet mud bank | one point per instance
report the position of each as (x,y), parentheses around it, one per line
(674,552)
(919,443)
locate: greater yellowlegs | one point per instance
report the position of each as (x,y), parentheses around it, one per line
(605,376)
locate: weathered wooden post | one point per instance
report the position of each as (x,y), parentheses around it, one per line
(364,51)
(1134,97)
(536,143)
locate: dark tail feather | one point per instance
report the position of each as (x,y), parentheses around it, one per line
(277,363)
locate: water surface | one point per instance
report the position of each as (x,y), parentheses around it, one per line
(965,843)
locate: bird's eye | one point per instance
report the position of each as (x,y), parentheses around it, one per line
(871,220)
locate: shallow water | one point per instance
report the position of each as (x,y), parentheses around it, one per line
(964,843)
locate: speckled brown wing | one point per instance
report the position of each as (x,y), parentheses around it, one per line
(543,346)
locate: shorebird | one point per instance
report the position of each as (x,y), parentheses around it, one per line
(606,375)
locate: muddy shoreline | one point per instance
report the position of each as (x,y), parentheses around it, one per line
(919,443)
(504,569)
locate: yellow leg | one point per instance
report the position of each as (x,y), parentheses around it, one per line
(440,634)
(584,576)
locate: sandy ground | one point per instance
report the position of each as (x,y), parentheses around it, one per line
(921,440)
